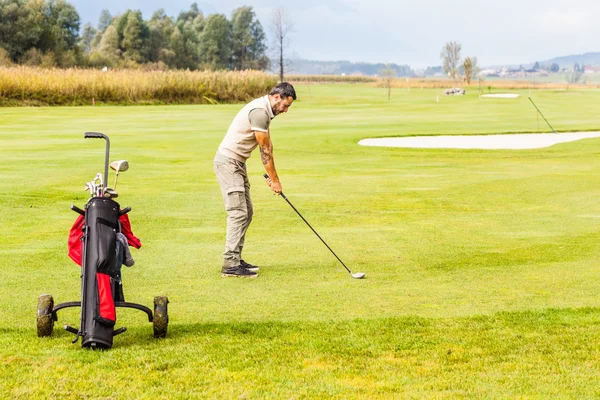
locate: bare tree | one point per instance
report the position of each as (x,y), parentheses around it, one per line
(387,75)
(281,27)
(450,55)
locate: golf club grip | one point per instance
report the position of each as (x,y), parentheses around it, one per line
(124,211)
(94,135)
(266,176)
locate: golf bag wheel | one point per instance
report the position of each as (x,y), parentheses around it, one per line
(45,320)
(161,318)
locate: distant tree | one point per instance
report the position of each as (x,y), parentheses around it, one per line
(185,44)
(387,75)
(135,38)
(450,57)
(189,15)
(554,67)
(109,45)
(184,48)
(87,38)
(20,27)
(176,56)
(258,47)
(468,69)
(241,23)
(281,27)
(247,40)
(160,29)
(104,21)
(216,42)
(60,29)
(536,66)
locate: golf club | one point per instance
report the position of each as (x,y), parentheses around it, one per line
(110,193)
(99,188)
(358,275)
(91,187)
(119,166)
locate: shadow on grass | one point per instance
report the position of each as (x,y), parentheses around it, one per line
(345,338)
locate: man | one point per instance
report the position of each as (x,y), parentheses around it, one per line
(249,129)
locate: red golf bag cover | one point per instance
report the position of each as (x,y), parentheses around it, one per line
(99,265)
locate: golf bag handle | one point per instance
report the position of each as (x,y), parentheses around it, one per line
(97,135)
(77,209)
(124,211)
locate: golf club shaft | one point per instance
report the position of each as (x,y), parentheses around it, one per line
(319,236)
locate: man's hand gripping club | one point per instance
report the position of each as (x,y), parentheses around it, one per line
(266,155)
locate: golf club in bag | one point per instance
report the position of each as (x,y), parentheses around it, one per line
(358,275)
(99,243)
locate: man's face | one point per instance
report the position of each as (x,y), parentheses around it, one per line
(281,104)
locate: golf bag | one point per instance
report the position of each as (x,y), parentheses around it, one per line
(98,269)
(98,242)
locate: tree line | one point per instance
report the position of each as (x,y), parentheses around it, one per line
(47,33)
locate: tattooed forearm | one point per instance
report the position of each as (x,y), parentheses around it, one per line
(265,154)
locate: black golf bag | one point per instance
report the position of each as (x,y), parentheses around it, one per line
(95,244)
(99,271)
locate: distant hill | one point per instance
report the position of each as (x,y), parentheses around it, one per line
(592,59)
(312,67)
(342,67)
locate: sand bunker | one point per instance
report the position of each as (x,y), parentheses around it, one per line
(493,142)
(502,95)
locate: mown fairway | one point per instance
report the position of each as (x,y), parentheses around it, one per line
(482,266)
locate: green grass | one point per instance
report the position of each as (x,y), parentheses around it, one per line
(482,266)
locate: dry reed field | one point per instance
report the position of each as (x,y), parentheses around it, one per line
(40,87)
(439,83)
(32,86)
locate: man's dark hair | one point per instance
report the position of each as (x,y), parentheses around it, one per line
(284,89)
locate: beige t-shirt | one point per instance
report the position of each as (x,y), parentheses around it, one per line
(240,141)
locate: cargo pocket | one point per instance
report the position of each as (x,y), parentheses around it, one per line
(235,198)
(105,310)
(107,247)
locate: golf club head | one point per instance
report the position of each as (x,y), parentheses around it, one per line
(91,187)
(111,193)
(358,275)
(120,166)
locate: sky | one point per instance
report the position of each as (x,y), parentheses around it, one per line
(500,32)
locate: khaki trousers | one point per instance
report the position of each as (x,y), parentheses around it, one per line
(235,188)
